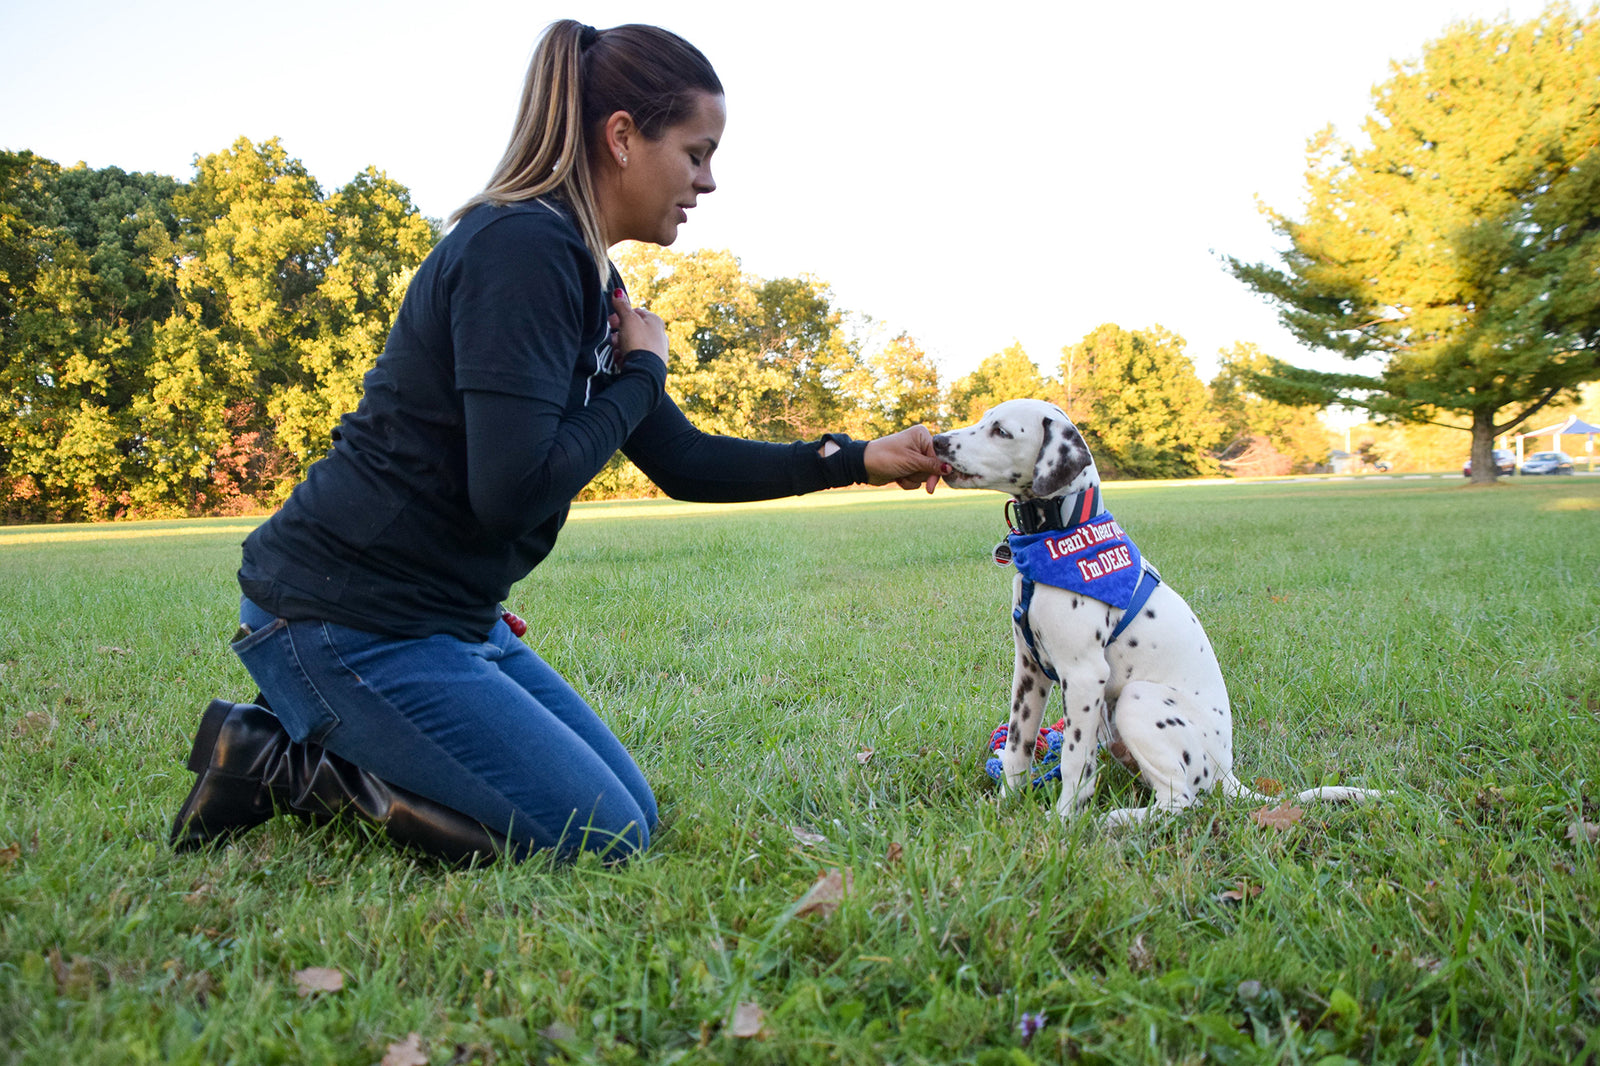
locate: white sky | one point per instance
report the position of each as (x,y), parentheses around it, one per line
(1024,173)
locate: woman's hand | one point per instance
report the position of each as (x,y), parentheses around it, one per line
(906,458)
(635,329)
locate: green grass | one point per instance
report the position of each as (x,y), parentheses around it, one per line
(1419,636)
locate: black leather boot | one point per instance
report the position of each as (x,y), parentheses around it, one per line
(319,785)
(248,769)
(236,746)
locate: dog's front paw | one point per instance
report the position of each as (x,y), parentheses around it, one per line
(1011,786)
(1124,817)
(1070,806)
(1014,772)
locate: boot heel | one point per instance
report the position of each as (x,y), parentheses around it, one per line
(205,739)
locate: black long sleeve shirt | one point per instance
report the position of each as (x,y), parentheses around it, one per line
(496,399)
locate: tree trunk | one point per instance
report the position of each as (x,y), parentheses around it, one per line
(1483,468)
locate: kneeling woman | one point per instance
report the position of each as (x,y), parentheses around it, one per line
(391,685)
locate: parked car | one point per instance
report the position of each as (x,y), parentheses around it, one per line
(1504,463)
(1547,463)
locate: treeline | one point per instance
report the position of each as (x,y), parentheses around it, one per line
(184,348)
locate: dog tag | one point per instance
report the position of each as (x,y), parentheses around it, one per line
(1002,554)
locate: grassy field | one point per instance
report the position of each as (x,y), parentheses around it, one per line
(811,688)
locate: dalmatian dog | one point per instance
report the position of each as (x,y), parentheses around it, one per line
(1137,673)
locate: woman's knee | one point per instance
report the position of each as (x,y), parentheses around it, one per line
(614,835)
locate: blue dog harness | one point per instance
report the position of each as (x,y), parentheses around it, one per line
(1080,548)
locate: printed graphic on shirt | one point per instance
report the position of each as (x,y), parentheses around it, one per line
(603,351)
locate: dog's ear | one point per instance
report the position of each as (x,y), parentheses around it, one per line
(1062,457)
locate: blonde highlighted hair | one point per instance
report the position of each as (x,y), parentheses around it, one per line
(578,78)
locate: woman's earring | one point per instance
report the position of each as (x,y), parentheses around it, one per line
(622,159)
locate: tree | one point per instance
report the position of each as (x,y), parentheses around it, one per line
(85,259)
(1458,247)
(709,305)
(905,388)
(798,332)
(377,239)
(255,249)
(1006,375)
(1147,414)
(287,296)
(747,357)
(169,348)
(1261,436)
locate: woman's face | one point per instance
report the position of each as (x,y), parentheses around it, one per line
(654,183)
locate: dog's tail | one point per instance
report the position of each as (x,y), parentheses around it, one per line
(1232,787)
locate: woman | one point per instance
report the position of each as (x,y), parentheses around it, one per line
(371,615)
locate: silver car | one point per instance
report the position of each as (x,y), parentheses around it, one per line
(1547,463)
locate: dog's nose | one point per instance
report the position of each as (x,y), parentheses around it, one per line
(941,444)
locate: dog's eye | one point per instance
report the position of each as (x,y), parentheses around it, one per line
(997,430)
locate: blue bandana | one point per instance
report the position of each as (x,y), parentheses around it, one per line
(1092,557)
(1095,559)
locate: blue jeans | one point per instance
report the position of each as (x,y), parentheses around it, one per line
(487,729)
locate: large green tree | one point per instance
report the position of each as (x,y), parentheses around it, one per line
(905,389)
(710,306)
(747,357)
(287,295)
(769,359)
(376,238)
(1459,247)
(1006,375)
(798,331)
(171,348)
(85,282)
(1143,409)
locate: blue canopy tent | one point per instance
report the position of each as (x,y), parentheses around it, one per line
(1573,426)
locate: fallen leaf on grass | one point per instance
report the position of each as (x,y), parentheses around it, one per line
(71,977)
(749,1020)
(823,898)
(1489,799)
(1577,832)
(32,723)
(806,837)
(1239,895)
(1140,957)
(557,1032)
(200,985)
(10,854)
(107,649)
(892,856)
(314,979)
(864,756)
(1277,817)
(407,1052)
(1269,786)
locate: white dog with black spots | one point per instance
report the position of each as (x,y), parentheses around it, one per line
(1139,678)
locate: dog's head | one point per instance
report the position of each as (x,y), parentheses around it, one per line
(1027,448)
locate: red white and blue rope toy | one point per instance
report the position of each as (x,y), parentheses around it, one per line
(1046,752)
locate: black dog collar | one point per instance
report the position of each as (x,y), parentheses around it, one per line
(1056,512)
